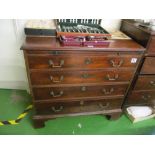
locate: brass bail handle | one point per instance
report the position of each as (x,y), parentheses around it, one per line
(116,76)
(85,76)
(56,95)
(106,92)
(57,109)
(152,83)
(51,63)
(114,64)
(103,106)
(146,97)
(57,81)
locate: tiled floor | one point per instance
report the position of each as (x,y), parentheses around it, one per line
(13,102)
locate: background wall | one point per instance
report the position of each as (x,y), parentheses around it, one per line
(12,66)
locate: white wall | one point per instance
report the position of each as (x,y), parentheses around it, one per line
(12,66)
(111,25)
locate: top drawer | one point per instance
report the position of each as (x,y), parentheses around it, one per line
(148,66)
(82,61)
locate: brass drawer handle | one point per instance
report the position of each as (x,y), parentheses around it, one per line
(146,97)
(85,76)
(57,95)
(51,63)
(152,83)
(117,65)
(106,92)
(57,81)
(112,79)
(57,110)
(103,106)
(88,61)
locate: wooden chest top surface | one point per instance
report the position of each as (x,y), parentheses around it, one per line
(51,43)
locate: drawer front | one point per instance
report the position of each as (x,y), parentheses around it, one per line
(151,46)
(145,82)
(141,97)
(148,66)
(77,61)
(71,77)
(78,106)
(62,93)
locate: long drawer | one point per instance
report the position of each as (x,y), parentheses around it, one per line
(77,77)
(141,97)
(78,106)
(145,82)
(148,66)
(62,93)
(81,61)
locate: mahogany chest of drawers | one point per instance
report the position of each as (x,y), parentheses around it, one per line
(143,90)
(71,81)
